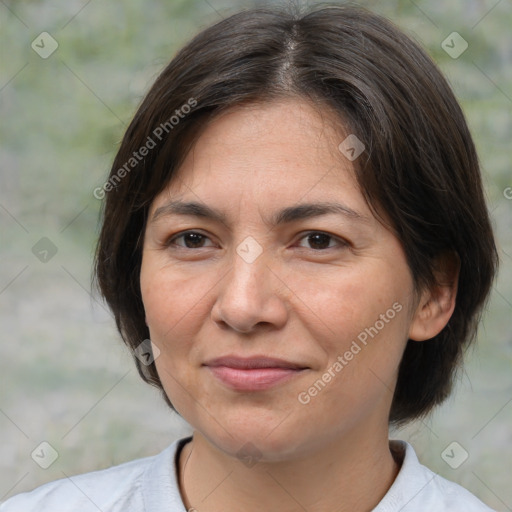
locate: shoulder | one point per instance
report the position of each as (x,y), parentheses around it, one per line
(88,491)
(418,489)
(120,488)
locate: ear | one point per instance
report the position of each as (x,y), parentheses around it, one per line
(436,304)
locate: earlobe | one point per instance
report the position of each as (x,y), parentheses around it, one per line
(437,303)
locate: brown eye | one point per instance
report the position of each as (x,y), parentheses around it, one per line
(321,241)
(192,240)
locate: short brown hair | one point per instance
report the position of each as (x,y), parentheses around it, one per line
(420,167)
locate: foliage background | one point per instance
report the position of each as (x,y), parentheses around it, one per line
(65,376)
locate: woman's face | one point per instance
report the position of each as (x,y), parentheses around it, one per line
(330,296)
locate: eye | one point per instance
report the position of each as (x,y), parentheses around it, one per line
(192,240)
(321,240)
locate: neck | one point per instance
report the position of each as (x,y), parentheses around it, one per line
(352,474)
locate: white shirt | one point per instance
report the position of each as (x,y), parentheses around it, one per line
(150,485)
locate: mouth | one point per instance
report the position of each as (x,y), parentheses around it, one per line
(254,373)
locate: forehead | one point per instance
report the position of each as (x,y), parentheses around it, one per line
(284,151)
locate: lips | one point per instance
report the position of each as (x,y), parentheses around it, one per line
(254,373)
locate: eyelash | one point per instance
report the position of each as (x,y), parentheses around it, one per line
(341,243)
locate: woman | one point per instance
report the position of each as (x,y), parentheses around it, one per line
(295,219)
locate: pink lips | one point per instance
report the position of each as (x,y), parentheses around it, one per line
(252,374)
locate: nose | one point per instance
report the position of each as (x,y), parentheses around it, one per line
(251,297)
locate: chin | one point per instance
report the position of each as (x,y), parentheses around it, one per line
(262,424)
(257,438)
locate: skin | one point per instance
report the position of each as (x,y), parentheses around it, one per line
(304,300)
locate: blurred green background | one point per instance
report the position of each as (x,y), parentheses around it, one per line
(66,377)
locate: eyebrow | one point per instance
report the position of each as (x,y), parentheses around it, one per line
(284,216)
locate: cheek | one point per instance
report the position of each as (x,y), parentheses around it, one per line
(170,296)
(361,315)
(167,304)
(170,302)
(342,303)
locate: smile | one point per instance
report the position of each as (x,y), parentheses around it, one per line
(253,374)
